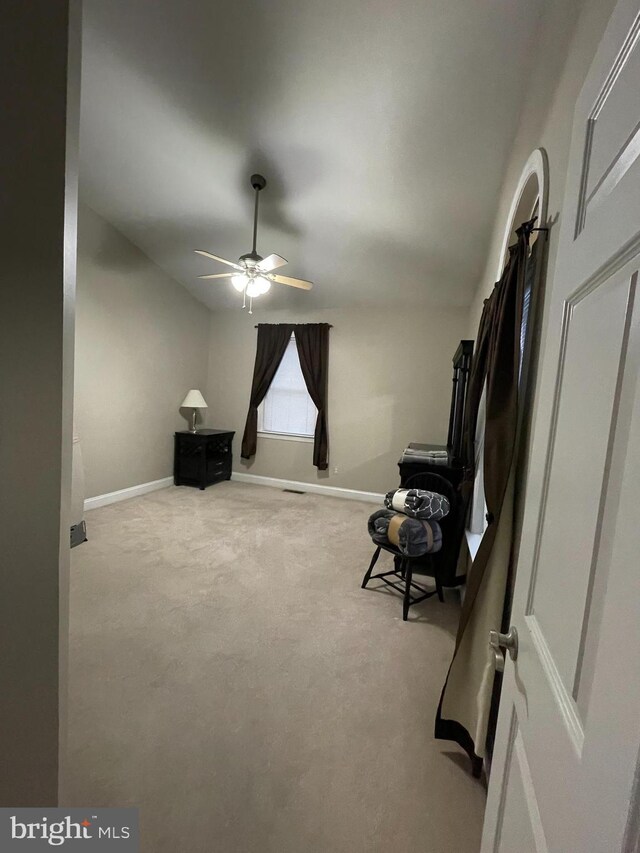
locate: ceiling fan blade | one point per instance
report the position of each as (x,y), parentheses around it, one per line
(292,282)
(272,262)
(219,275)
(216,258)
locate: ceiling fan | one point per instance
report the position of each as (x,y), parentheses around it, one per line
(253,273)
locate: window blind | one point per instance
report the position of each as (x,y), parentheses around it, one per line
(287,408)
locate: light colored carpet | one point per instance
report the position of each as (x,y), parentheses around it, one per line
(230,678)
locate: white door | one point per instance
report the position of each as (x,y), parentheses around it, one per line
(565,771)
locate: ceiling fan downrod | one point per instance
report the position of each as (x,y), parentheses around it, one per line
(258,183)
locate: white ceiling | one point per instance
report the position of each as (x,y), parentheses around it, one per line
(382,127)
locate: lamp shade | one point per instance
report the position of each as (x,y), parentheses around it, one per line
(194,400)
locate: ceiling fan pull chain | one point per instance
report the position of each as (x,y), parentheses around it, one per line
(251,305)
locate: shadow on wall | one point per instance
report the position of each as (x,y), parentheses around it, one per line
(113,251)
(187,414)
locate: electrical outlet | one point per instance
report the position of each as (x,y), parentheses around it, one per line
(335,469)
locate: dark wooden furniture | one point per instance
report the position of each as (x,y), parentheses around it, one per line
(452,470)
(404,583)
(446,560)
(461,369)
(418,475)
(202,458)
(405,567)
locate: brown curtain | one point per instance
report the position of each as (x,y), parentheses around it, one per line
(477,378)
(465,702)
(312,341)
(271,346)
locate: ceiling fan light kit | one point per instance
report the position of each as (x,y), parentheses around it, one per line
(254,274)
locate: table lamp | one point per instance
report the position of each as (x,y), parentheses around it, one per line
(194,400)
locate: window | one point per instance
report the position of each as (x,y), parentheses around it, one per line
(526,298)
(478,512)
(287,408)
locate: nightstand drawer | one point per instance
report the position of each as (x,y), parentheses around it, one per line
(217,467)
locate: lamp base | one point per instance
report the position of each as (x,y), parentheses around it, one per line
(192,428)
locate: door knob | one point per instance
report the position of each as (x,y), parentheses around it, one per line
(499,641)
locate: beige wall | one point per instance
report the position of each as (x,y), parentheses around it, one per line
(389,383)
(546,121)
(141,344)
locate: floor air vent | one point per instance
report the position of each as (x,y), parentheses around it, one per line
(294,491)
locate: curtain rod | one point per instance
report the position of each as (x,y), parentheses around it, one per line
(303,324)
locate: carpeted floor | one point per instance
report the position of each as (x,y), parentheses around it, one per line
(230,678)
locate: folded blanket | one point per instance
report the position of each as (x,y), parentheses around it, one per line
(414,451)
(424,458)
(411,536)
(418,503)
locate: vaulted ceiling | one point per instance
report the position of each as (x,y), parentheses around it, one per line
(382,127)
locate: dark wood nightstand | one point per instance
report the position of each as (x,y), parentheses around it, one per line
(202,458)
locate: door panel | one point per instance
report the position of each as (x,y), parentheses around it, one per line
(519,818)
(612,129)
(593,339)
(565,772)
(576,742)
(610,766)
(613,116)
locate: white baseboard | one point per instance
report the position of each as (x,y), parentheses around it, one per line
(125,494)
(313,488)
(240,477)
